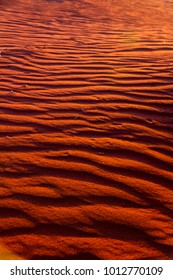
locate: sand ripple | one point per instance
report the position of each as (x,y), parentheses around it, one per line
(86,122)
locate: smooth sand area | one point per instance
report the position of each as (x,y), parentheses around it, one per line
(5,254)
(86,129)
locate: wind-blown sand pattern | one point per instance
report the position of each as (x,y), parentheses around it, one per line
(86,122)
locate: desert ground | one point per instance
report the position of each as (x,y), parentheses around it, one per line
(86,129)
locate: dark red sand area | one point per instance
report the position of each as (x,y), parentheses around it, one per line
(86,126)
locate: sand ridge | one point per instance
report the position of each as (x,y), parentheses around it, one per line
(86,124)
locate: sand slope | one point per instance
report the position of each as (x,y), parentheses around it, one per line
(86,122)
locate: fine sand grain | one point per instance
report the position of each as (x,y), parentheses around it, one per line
(86,129)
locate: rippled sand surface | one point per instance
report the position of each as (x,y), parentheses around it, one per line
(86,129)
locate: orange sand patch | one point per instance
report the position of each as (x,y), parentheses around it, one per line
(86,129)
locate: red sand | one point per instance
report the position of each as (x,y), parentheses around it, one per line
(86,126)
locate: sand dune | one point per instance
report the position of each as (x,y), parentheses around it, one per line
(86,129)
